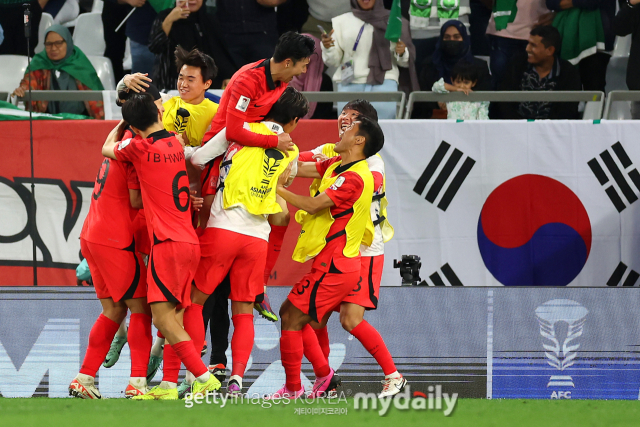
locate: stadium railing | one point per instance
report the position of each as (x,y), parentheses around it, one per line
(618,96)
(593,108)
(398,97)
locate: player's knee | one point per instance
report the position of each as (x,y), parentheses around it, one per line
(115,313)
(349,321)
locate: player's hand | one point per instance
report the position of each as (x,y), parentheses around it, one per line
(135,3)
(320,157)
(283,179)
(327,41)
(137,82)
(400,47)
(196,202)
(285,143)
(182,137)
(19,92)
(225,82)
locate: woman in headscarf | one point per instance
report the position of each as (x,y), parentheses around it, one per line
(454,45)
(366,61)
(62,66)
(190,26)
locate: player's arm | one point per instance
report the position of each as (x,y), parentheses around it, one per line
(309,204)
(135,198)
(108,149)
(308,170)
(212,149)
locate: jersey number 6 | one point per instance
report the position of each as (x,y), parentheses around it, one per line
(177,190)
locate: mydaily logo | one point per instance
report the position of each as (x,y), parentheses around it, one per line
(434,400)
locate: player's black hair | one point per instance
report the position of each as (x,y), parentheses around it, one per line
(124,95)
(195,58)
(140,111)
(465,70)
(291,105)
(373,135)
(550,37)
(294,46)
(363,107)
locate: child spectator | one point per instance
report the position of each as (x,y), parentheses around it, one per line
(464,77)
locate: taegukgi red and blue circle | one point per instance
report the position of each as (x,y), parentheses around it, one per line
(534,231)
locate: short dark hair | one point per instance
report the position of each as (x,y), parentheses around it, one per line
(124,95)
(140,111)
(465,70)
(290,105)
(550,37)
(373,135)
(363,107)
(294,46)
(195,58)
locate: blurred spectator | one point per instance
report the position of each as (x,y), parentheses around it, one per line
(115,42)
(368,62)
(452,46)
(312,79)
(626,22)
(509,28)
(138,27)
(541,69)
(464,77)
(1,34)
(12,21)
(250,28)
(321,12)
(427,17)
(587,34)
(478,22)
(62,66)
(190,26)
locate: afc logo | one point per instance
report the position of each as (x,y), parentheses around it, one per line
(561,395)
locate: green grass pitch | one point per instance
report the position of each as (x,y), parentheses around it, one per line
(43,412)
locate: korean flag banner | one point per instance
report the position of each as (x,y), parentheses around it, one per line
(514,203)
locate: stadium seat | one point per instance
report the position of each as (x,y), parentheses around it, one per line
(126,63)
(68,14)
(45,22)
(89,34)
(617,77)
(105,71)
(97,6)
(12,68)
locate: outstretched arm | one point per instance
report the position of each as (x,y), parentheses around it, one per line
(309,204)
(108,149)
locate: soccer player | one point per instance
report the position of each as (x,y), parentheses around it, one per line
(158,158)
(119,276)
(365,295)
(336,223)
(235,240)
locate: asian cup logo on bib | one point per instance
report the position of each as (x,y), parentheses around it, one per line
(534,231)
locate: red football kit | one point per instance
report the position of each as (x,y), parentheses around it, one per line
(159,161)
(332,275)
(249,96)
(107,240)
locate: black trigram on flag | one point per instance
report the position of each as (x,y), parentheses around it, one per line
(618,174)
(618,274)
(437,280)
(438,184)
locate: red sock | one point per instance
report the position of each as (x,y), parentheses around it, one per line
(170,364)
(190,357)
(159,334)
(276,237)
(313,352)
(323,340)
(241,342)
(194,325)
(373,343)
(291,350)
(140,341)
(100,338)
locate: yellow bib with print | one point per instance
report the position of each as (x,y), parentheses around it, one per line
(195,126)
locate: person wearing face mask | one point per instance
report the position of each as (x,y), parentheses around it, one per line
(62,66)
(453,46)
(366,61)
(188,25)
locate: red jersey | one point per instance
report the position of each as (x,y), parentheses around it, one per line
(159,161)
(247,99)
(343,196)
(110,217)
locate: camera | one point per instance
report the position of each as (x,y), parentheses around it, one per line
(409,267)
